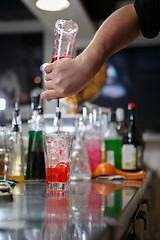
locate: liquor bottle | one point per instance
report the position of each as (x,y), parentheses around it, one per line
(17,116)
(37,166)
(15,166)
(31,132)
(113,142)
(65,32)
(132,143)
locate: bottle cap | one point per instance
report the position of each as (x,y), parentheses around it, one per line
(132,105)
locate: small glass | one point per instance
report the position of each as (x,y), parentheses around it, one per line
(57,152)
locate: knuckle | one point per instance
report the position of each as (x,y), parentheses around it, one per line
(47,96)
(46,77)
(46,85)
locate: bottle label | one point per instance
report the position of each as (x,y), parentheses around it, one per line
(128,157)
(110,157)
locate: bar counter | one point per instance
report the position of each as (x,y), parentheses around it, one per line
(89,210)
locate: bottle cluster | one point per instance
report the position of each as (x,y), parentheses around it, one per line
(117,141)
(18,167)
(123,140)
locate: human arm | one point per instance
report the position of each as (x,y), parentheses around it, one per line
(66,77)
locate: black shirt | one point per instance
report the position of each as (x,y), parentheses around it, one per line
(148,12)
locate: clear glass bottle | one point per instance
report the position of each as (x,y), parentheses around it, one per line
(65,32)
(80,167)
(113,142)
(15,167)
(132,143)
(37,164)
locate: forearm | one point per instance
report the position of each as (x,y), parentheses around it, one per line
(67,76)
(117,32)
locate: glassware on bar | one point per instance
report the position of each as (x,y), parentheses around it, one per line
(57,149)
(93,139)
(80,167)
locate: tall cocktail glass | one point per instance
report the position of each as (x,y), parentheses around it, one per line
(57,151)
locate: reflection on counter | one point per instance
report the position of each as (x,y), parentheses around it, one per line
(82,212)
(56,223)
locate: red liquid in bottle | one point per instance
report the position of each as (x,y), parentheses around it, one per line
(55,58)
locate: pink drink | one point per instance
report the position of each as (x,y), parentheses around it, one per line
(94,152)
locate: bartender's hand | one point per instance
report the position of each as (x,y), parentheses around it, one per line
(63,78)
(66,76)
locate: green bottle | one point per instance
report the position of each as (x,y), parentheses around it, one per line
(31,133)
(37,163)
(113,142)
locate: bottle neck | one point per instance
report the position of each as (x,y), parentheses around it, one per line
(132,115)
(16,128)
(132,125)
(40,122)
(34,114)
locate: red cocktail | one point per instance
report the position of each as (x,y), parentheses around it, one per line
(57,149)
(59,173)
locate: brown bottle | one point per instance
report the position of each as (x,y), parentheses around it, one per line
(132,144)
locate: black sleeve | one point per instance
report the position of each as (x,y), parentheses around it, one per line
(148,12)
